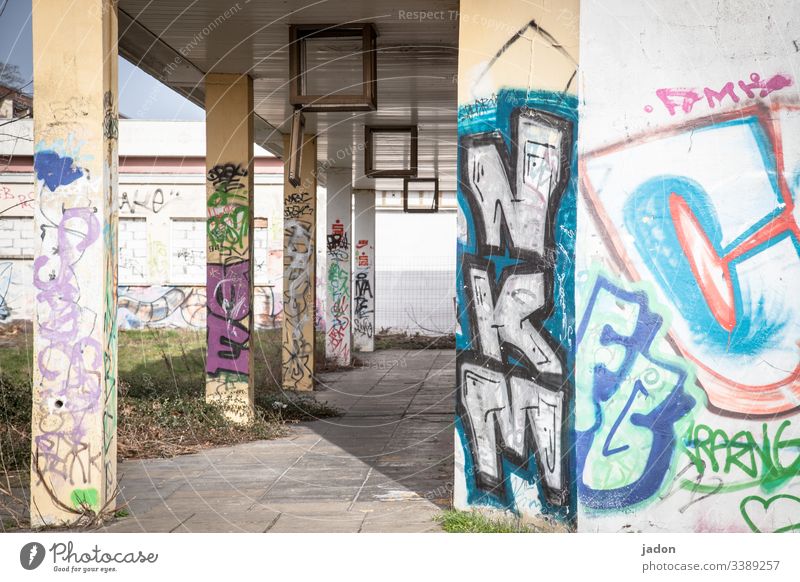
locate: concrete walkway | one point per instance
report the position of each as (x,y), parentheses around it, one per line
(386,465)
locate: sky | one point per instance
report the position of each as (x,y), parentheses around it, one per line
(140,95)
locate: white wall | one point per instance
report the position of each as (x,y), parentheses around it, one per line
(415,271)
(162,233)
(162,240)
(723,360)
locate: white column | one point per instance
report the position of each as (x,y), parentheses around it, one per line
(338,330)
(364,271)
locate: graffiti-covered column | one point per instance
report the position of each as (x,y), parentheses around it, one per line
(229,257)
(517,127)
(299,269)
(364,270)
(338,316)
(688,265)
(73,464)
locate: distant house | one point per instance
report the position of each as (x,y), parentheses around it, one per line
(14,104)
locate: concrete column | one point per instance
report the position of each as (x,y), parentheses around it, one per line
(299,270)
(338,331)
(517,168)
(364,268)
(675,264)
(229,278)
(73,441)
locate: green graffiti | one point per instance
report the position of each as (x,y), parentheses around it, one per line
(224,384)
(223,197)
(228,227)
(85,498)
(110,351)
(338,280)
(765,504)
(620,451)
(714,451)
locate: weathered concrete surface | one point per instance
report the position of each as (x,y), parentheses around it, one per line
(299,269)
(384,466)
(229,239)
(74,380)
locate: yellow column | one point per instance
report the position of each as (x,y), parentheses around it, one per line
(229,258)
(73,441)
(299,269)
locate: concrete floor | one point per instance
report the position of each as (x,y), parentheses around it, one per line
(386,465)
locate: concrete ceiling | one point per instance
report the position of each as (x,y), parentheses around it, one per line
(179,40)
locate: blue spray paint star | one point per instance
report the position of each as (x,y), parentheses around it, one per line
(502,262)
(54,170)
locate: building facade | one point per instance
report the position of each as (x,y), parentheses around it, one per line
(162,238)
(162,227)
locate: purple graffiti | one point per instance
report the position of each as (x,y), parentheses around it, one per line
(54,170)
(228,290)
(69,360)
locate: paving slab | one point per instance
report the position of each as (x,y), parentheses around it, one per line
(385,465)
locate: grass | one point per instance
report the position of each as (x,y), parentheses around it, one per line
(454,521)
(161,386)
(161,404)
(158,361)
(416,341)
(161,400)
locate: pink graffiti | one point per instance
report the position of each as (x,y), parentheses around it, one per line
(685,99)
(23,200)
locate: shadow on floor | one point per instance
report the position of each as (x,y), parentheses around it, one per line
(386,464)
